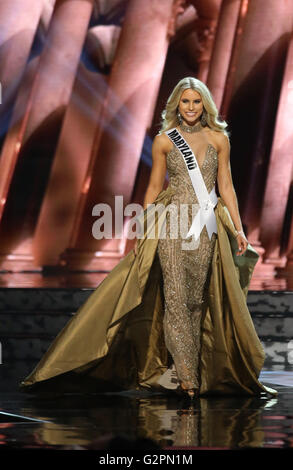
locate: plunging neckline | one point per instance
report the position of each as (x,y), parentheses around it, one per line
(205,156)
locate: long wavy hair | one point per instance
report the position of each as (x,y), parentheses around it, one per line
(169,114)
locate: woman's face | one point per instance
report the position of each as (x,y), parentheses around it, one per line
(190,107)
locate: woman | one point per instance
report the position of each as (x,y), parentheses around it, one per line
(173,310)
(191,109)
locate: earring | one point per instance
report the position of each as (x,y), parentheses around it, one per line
(179,117)
(203,119)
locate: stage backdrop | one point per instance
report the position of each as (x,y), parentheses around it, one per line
(83,86)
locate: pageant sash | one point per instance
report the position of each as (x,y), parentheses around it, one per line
(207,201)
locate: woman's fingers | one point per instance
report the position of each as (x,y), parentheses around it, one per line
(242,245)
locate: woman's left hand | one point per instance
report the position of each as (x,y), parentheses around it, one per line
(242,244)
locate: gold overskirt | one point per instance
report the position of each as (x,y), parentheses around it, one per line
(115,341)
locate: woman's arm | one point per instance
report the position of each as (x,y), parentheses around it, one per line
(225,184)
(158,172)
(157,176)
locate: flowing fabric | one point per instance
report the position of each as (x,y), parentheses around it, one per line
(115,341)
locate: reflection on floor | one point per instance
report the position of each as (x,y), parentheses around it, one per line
(151,420)
(277,377)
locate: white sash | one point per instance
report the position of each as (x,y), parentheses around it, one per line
(207,201)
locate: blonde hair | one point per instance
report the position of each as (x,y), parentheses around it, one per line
(169,114)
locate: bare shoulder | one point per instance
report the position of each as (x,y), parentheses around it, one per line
(162,143)
(224,141)
(219,140)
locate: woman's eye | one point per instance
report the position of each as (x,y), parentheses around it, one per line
(196,101)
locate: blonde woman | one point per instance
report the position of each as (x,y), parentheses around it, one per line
(191,110)
(172,314)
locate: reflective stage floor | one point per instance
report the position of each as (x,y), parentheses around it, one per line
(149,421)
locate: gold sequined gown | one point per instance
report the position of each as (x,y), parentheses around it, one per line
(148,310)
(186,271)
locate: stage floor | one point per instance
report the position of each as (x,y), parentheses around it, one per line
(150,420)
(61,278)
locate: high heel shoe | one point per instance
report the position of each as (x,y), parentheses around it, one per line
(191,392)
